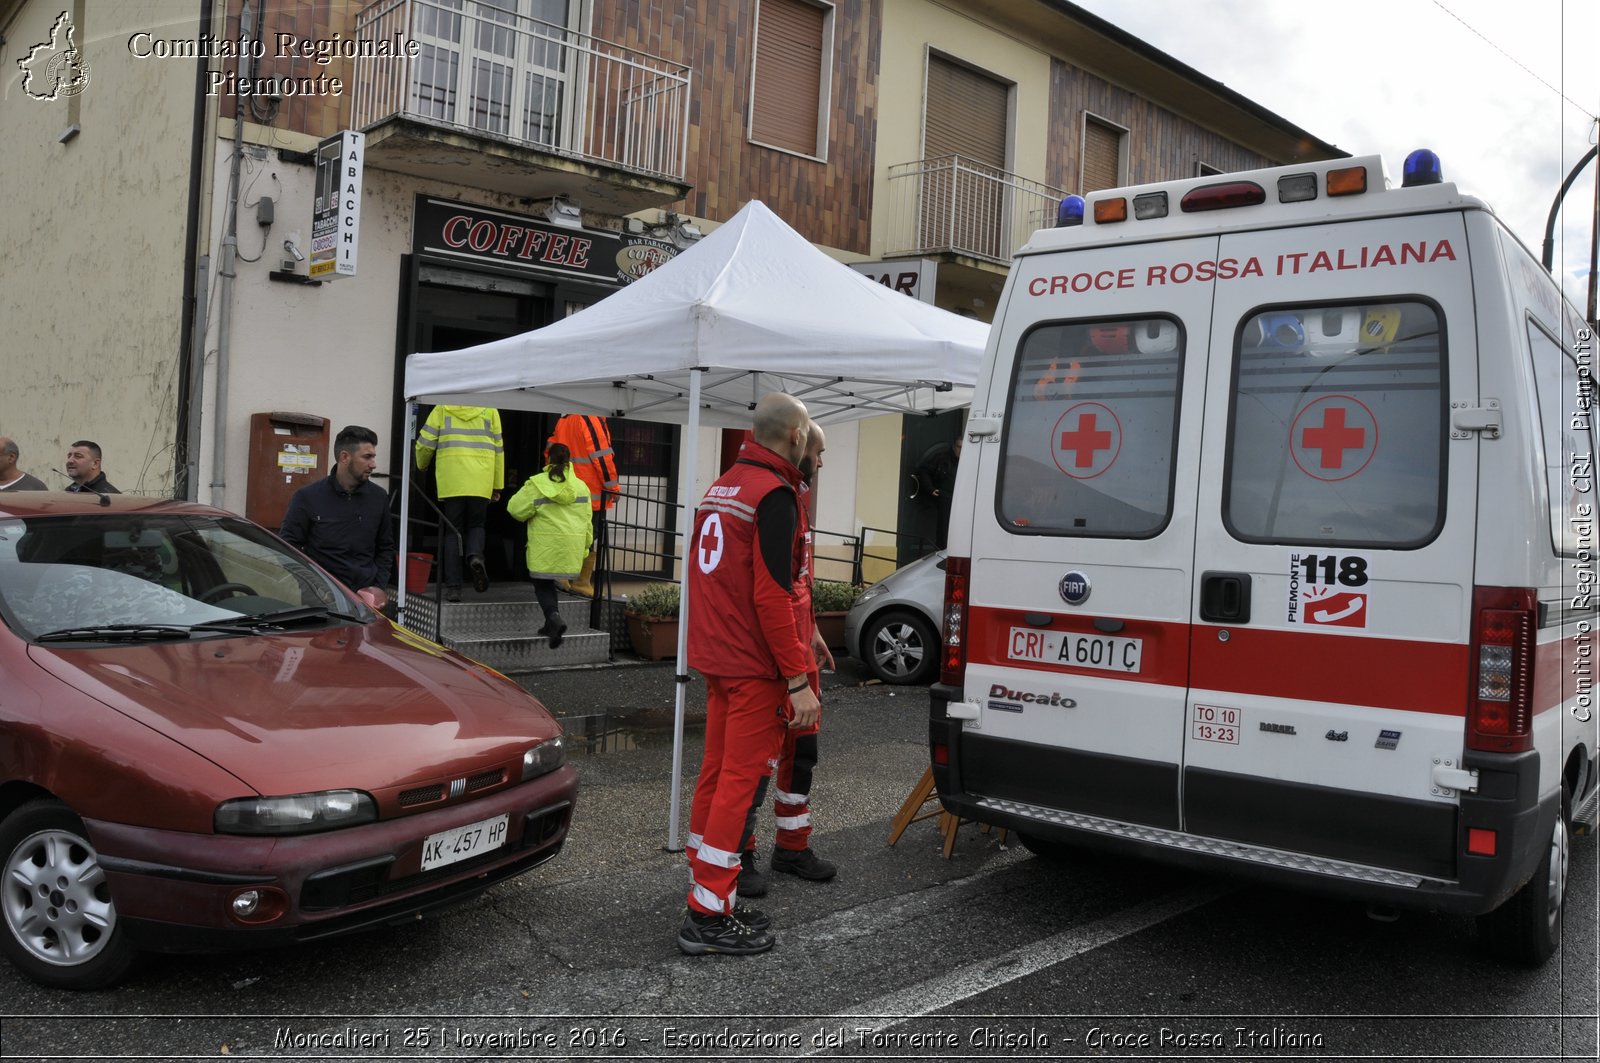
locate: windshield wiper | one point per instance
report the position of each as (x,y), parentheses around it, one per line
(274,619)
(115,633)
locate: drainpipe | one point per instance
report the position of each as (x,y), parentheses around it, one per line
(196,278)
(226,271)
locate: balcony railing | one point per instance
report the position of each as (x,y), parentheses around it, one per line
(955,204)
(483,70)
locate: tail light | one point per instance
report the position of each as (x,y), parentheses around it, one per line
(1504,632)
(953,661)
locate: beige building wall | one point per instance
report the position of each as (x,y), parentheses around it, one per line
(94,229)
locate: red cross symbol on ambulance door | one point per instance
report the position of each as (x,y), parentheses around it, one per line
(1334,437)
(1086,440)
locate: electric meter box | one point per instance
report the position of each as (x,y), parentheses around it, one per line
(287,451)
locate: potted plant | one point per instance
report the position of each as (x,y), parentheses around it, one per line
(830,601)
(652,617)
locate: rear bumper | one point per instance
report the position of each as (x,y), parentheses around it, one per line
(1359,846)
(174,891)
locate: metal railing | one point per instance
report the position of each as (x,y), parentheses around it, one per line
(954,204)
(484,70)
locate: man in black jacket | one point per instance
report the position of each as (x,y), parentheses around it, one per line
(342,521)
(83,469)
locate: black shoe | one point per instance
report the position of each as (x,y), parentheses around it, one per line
(480,575)
(754,918)
(722,934)
(555,627)
(805,863)
(452,594)
(752,883)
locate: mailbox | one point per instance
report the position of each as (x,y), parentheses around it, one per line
(287,451)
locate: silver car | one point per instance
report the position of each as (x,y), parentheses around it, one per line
(894,626)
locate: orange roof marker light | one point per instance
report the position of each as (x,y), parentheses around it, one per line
(1109,210)
(1349,181)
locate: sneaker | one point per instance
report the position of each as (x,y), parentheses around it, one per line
(555,628)
(805,863)
(752,883)
(480,574)
(722,934)
(452,594)
(754,918)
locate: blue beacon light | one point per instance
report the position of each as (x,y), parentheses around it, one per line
(1421,168)
(1070,212)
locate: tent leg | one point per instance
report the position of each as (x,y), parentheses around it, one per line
(405,515)
(686,495)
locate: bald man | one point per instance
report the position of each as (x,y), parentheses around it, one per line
(11,477)
(746,560)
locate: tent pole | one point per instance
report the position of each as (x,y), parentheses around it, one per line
(405,515)
(685,520)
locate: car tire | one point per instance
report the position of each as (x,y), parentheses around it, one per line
(900,647)
(61,926)
(1526,929)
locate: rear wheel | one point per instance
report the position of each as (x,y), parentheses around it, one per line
(900,647)
(61,925)
(1526,930)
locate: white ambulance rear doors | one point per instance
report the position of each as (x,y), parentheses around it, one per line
(1082,547)
(1334,537)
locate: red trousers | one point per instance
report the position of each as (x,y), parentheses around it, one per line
(791,796)
(745,722)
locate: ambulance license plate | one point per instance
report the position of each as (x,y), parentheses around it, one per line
(463,843)
(1075,648)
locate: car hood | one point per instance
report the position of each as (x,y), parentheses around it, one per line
(362,707)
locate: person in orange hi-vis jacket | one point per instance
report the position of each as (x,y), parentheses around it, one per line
(588,440)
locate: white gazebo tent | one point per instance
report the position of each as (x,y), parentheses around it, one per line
(750,309)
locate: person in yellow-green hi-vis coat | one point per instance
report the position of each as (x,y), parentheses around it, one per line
(465,446)
(555,505)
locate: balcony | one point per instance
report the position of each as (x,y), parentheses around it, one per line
(952,205)
(504,102)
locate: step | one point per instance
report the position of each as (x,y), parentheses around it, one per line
(527,653)
(499,618)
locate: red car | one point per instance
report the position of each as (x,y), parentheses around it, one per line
(208,743)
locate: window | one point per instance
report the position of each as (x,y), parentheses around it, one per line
(508,60)
(965,183)
(1091,429)
(1566,400)
(1337,431)
(1102,154)
(789,92)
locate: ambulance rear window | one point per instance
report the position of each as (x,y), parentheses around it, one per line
(1337,430)
(1091,428)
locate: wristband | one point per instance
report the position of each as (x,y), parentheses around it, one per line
(802,686)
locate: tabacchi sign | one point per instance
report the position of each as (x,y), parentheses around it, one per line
(336,217)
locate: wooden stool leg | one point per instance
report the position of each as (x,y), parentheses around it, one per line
(921,794)
(949,824)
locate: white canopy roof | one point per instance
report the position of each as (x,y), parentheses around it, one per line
(757,308)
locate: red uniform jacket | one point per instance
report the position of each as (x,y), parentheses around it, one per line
(742,598)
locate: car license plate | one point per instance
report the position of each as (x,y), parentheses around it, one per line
(1076,649)
(463,843)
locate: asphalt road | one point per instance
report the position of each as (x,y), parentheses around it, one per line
(993,954)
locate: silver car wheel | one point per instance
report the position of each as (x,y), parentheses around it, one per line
(56,900)
(1556,886)
(898,649)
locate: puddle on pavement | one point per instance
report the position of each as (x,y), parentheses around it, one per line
(615,732)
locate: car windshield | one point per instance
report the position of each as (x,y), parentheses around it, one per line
(138,575)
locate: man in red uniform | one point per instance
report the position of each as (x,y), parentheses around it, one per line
(797,756)
(588,440)
(744,558)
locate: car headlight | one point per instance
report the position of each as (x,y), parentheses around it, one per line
(875,591)
(295,814)
(544,758)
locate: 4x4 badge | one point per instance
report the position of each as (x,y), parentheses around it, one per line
(1074,588)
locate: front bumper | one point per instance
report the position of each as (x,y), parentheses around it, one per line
(174,890)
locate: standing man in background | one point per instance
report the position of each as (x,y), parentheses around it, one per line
(83,469)
(11,477)
(588,440)
(471,473)
(342,521)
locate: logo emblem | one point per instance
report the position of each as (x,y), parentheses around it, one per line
(1074,588)
(710,553)
(55,68)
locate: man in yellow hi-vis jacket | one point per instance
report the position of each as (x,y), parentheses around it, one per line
(471,473)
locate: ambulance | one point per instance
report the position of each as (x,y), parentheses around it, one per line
(1275,546)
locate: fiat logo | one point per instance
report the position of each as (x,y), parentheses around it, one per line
(1074,588)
